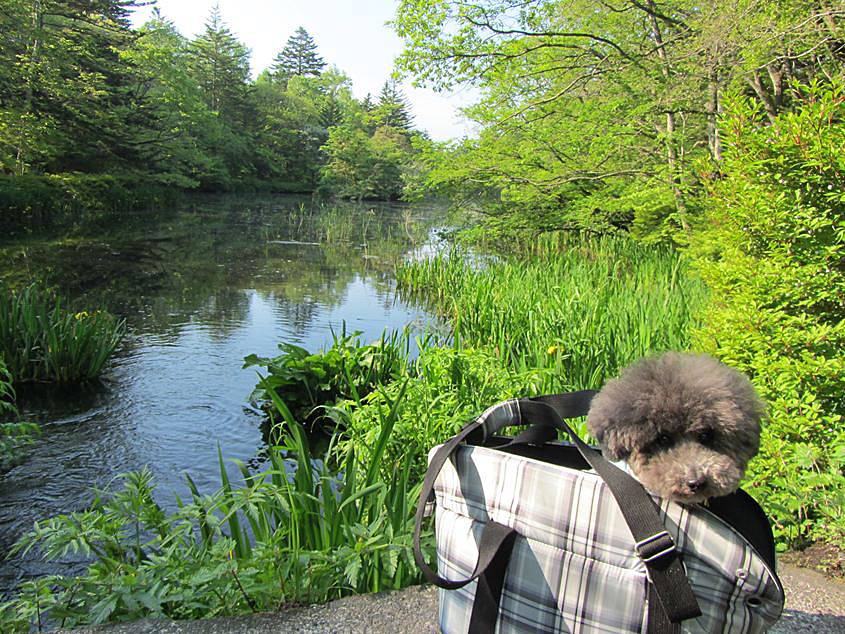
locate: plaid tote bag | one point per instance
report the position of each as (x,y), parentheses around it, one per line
(547,537)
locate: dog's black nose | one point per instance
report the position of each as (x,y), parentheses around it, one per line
(697,484)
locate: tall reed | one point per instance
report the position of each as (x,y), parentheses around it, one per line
(582,307)
(41,341)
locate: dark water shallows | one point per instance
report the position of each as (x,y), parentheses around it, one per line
(201,287)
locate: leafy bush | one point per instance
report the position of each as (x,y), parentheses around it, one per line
(40,341)
(15,437)
(771,246)
(346,370)
(447,388)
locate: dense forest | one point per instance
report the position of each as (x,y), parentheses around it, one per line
(83,93)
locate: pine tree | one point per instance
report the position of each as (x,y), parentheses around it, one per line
(298,57)
(220,64)
(392,109)
(66,98)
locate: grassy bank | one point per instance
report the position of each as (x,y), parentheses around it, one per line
(35,200)
(583,308)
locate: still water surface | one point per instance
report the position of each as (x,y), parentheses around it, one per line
(201,286)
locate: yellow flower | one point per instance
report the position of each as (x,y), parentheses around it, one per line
(82,315)
(552,349)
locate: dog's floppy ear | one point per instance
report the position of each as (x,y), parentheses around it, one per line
(612,445)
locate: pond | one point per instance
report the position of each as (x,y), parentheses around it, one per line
(201,286)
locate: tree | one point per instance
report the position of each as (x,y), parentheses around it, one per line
(608,106)
(220,64)
(360,166)
(392,109)
(176,147)
(65,92)
(298,57)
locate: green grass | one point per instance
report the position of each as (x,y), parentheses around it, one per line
(584,308)
(40,341)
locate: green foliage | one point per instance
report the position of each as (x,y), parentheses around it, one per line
(363,166)
(65,95)
(41,341)
(61,198)
(582,307)
(15,437)
(446,388)
(771,247)
(346,370)
(602,110)
(82,92)
(298,57)
(392,109)
(292,534)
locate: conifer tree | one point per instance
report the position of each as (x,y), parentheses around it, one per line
(220,64)
(298,57)
(392,109)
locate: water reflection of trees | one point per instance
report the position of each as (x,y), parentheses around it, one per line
(161,269)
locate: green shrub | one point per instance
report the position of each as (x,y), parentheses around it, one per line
(15,436)
(40,341)
(771,246)
(447,388)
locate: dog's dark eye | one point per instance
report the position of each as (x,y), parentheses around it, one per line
(706,436)
(663,441)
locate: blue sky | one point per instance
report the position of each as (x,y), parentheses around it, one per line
(350,34)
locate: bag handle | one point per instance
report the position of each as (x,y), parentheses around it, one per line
(653,543)
(492,420)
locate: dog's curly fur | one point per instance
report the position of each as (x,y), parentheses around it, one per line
(687,425)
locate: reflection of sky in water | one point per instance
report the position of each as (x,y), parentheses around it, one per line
(179,391)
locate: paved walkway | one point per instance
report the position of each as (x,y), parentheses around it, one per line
(814,604)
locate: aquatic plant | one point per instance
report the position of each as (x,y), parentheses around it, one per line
(294,533)
(15,436)
(41,341)
(582,307)
(347,369)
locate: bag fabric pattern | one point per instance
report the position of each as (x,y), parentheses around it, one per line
(573,567)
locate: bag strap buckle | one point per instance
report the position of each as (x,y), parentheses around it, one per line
(655,547)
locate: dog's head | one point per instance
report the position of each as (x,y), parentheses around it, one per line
(686,424)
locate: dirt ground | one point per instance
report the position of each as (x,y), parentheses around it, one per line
(825,558)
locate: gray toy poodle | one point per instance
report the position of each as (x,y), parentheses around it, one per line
(687,425)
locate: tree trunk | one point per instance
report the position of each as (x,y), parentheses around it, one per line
(34,51)
(671,150)
(713,108)
(756,82)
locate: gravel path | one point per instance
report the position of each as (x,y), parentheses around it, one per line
(814,604)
